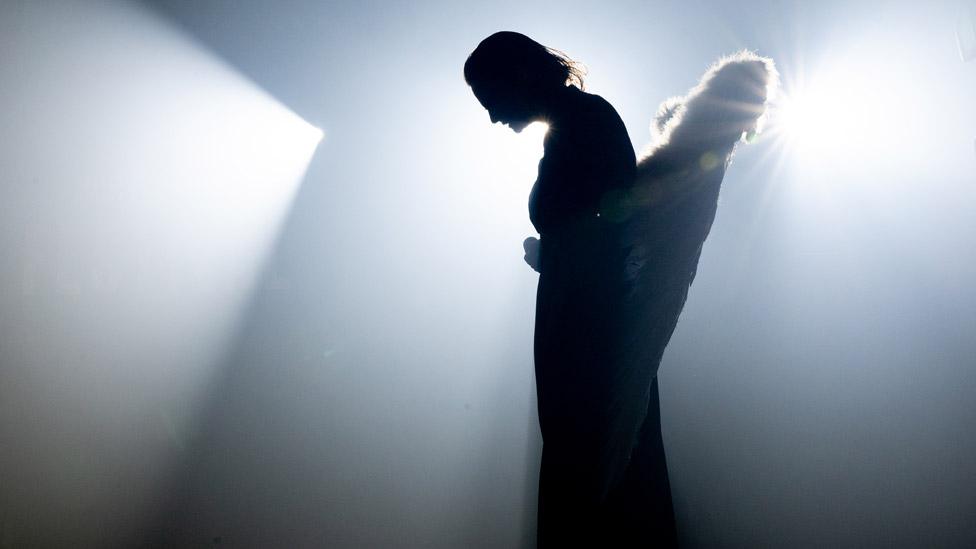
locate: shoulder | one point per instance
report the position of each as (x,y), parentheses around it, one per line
(602,127)
(595,109)
(588,118)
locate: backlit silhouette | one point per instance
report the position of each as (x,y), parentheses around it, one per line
(618,248)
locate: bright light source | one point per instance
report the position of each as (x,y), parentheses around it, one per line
(851,115)
(834,116)
(140,195)
(513,156)
(505,168)
(516,150)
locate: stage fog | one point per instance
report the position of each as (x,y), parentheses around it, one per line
(261,275)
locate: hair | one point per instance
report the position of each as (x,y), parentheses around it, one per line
(506,55)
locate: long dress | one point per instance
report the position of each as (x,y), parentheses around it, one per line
(603,474)
(619,250)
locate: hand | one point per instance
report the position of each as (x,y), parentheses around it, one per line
(532,245)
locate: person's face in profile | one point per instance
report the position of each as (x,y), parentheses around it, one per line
(505,104)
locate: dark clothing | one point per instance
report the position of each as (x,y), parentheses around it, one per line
(597,340)
(619,249)
(587,154)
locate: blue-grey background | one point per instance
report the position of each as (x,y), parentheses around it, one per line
(372,386)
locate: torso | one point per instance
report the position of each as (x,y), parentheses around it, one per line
(588,157)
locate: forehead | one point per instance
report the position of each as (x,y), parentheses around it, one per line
(484,88)
(485,94)
(491,92)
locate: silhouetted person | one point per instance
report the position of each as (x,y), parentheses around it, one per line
(618,247)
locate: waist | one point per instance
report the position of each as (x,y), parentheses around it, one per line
(585,246)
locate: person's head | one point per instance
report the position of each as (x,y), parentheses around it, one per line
(513,76)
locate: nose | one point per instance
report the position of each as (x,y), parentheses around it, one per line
(494,118)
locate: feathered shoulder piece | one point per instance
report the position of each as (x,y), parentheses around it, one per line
(696,134)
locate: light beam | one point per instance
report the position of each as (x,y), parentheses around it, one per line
(143,183)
